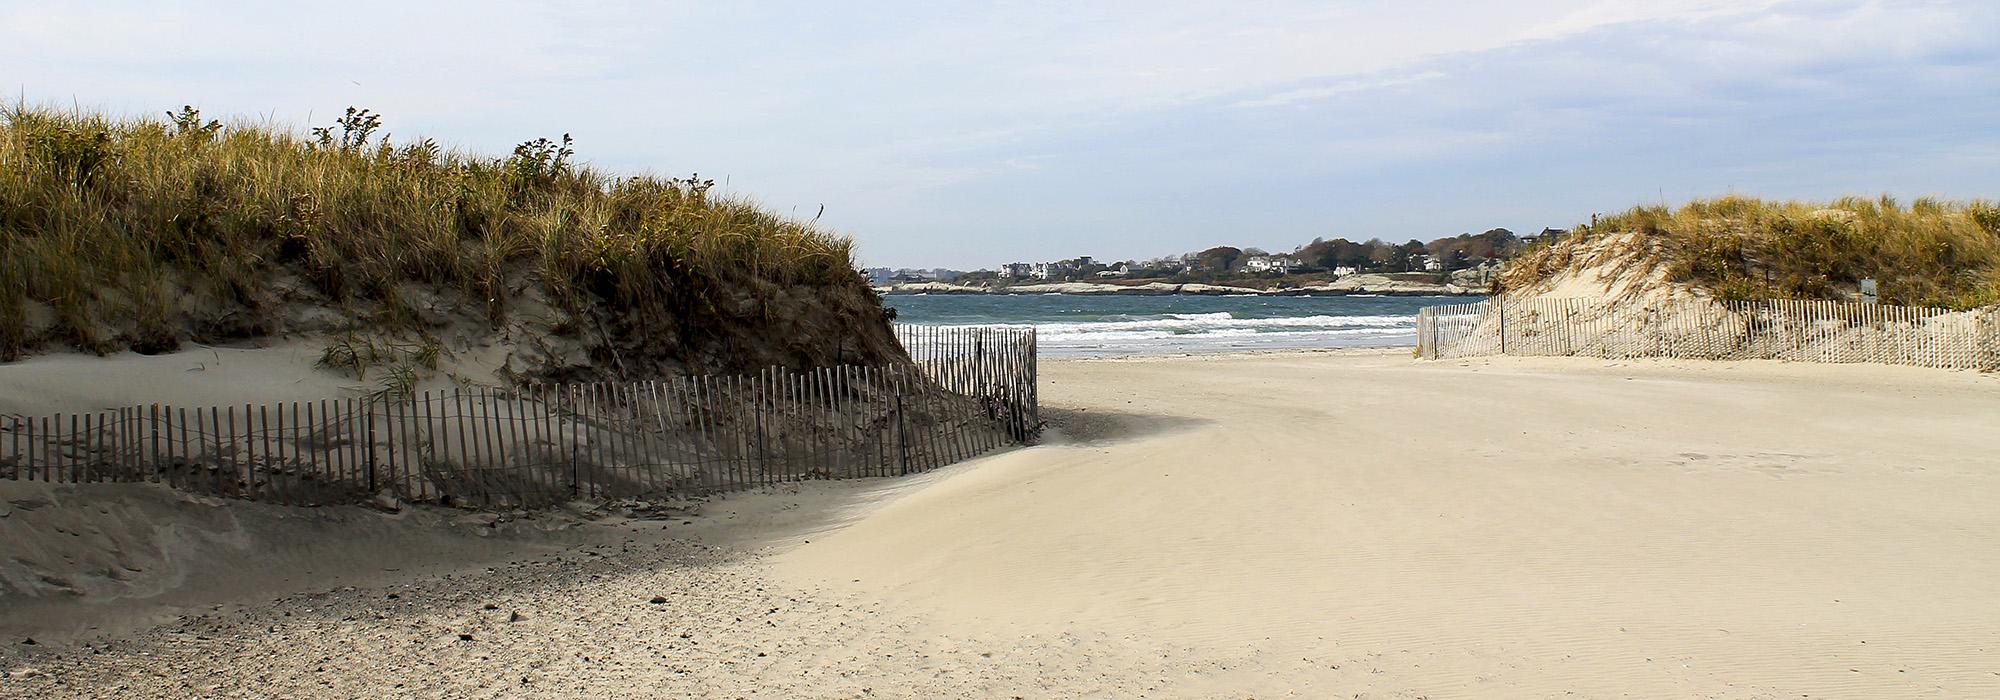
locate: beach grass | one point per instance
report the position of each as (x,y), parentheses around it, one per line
(1928,252)
(113,228)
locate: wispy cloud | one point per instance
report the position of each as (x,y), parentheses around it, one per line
(1341,87)
(948,134)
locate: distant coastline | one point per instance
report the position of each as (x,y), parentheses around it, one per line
(1379,284)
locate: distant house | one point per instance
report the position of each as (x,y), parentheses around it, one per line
(1017,270)
(878,276)
(1050,270)
(1548,235)
(1156,267)
(1281,264)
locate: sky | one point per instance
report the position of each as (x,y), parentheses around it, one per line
(970,135)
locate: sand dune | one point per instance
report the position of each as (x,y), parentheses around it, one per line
(1514,527)
(1286,525)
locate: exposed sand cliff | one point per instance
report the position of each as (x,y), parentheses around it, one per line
(152,236)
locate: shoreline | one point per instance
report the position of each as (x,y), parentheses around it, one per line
(1352,285)
(1233,354)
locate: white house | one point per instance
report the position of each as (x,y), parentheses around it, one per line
(1017,270)
(1050,270)
(1270,263)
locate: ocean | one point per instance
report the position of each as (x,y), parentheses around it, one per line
(1073,325)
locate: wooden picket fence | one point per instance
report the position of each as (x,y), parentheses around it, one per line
(965,391)
(1801,331)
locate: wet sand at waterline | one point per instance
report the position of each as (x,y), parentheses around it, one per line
(1283,525)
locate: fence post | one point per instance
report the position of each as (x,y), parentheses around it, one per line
(758,388)
(575,484)
(368,410)
(153,470)
(1432,317)
(902,436)
(1501,304)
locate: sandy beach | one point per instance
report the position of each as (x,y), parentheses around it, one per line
(1351,524)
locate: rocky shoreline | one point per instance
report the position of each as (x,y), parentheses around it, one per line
(1385,285)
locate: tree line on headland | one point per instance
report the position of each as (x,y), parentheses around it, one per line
(1318,259)
(1375,255)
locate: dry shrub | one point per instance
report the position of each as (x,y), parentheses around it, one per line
(1928,253)
(114,227)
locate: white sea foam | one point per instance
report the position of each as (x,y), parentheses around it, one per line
(1071,325)
(1230,333)
(1219,323)
(1218,331)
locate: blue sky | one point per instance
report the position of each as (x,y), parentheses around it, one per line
(972,135)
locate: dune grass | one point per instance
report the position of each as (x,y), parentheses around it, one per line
(1927,253)
(112,228)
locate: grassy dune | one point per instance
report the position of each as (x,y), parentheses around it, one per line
(1926,253)
(144,233)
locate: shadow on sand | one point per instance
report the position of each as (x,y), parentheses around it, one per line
(1082,426)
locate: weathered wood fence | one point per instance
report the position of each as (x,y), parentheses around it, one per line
(965,392)
(1802,331)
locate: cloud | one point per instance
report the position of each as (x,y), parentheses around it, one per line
(1124,122)
(1343,87)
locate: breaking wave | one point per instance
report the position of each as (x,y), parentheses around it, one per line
(1219,331)
(1081,325)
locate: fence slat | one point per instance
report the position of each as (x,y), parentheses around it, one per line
(961,393)
(1779,329)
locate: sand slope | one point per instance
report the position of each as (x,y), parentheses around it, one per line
(1481,529)
(79,561)
(1287,525)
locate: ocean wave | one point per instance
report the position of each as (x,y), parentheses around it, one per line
(1201,324)
(1099,326)
(1119,336)
(1219,332)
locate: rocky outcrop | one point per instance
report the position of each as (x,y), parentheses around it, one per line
(930,288)
(1385,285)
(1218,289)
